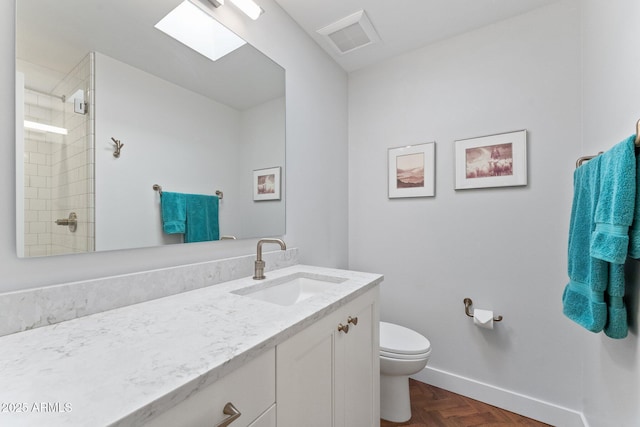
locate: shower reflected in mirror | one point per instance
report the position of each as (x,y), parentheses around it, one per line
(90,71)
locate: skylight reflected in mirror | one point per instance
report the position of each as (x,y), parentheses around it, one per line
(194,28)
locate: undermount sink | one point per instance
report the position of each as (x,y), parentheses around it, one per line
(290,290)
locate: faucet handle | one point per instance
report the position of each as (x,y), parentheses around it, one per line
(259,269)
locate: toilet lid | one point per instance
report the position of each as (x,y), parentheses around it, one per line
(397,339)
(400,356)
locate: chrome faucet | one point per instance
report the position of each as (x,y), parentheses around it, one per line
(259,270)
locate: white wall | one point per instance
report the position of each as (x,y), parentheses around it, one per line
(505,248)
(316,93)
(178,139)
(611,109)
(260,126)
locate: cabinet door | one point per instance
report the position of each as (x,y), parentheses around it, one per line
(304,385)
(328,377)
(360,357)
(268,419)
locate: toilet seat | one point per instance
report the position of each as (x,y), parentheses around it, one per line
(398,342)
(400,356)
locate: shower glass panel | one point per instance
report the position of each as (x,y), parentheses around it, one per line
(58,160)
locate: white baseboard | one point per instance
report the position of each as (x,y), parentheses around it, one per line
(515,402)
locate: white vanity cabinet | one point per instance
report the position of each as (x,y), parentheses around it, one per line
(279,365)
(250,388)
(327,376)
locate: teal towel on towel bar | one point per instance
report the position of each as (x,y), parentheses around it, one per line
(634,232)
(583,298)
(617,325)
(614,215)
(202,218)
(616,203)
(603,209)
(194,215)
(174,212)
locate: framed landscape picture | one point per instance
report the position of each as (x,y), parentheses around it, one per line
(412,171)
(266,184)
(491,161)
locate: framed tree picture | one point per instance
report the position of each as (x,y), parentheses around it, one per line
(491,161)
(266,184)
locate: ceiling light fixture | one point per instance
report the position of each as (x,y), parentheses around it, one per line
(249,7)
(44,128)
(194,28)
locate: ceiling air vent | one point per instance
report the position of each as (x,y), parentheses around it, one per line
(350,33)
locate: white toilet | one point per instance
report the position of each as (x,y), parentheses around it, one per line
(403,352)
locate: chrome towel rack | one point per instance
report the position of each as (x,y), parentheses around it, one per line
(158,188)
(583,159)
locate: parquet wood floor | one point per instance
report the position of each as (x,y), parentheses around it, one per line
(435,407)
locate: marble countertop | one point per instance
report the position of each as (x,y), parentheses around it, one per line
(123,366)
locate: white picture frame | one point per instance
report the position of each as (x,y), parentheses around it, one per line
(266,184)
(411,171)
(498,160)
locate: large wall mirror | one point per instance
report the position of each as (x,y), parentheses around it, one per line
(108,105)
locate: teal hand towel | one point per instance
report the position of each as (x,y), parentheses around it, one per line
(616,203)
(583,297)
(174,212)
(634,232)
(602,211)
(614,215)
(202,218)
(617,324)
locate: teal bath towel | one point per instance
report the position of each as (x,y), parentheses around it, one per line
(617,325)
(583,298)
(603,209)
(174,212)
(634,232)
(202,218)
(616,203)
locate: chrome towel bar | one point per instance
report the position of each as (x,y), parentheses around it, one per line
(158,188)
(583,159)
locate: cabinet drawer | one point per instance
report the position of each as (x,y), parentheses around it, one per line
(250,388)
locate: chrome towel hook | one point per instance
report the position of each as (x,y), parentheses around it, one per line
(119,146)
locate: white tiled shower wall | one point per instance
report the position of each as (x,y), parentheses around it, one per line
(37,171)
(58,171)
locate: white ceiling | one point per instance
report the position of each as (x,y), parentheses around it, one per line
(57,34)
(53,36)
(402,25)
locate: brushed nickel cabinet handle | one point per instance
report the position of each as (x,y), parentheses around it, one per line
(352,320)
(343,328)
(233,413)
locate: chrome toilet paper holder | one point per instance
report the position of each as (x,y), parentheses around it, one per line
(467,309)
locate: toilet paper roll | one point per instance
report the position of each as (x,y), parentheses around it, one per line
(483,318)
